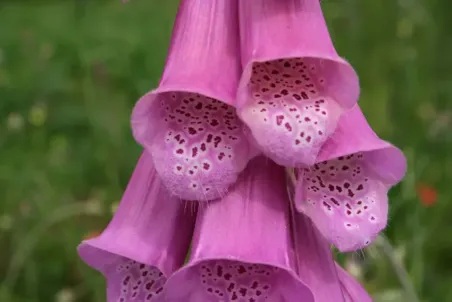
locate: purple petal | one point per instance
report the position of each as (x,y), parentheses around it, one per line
(145,242)
(294,86)
(189,123)
(353,291)
(345,193)
(315,262)
(241,249)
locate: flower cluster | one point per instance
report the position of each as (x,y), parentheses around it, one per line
(250,90)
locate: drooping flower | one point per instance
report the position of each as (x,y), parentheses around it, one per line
(188,123)
(345,192)
(294,85)
(241,249)
(353,291)
(145,242)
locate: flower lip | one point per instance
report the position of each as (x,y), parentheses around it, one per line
(128,279)
(198,145)
(238,279)
(242,246)
(130,253)
(316,266)
(286,111)
(287,116)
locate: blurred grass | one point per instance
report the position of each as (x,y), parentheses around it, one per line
(71,71)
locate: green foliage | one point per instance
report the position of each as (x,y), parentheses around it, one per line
(71,71)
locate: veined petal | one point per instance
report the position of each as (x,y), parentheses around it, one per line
(294,86)
(345,193)
(353,291)
(315,262)
(241,249)
(189,124)
(145,242)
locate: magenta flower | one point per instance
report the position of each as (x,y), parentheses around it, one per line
(241,250)
(146,241)
(294,86)
(188,123)
(345,193)
(296,104)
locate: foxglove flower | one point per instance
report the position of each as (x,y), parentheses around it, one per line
(345,193)
(188,123)
(146,241)
(353,291)
(294,85)
(241,249)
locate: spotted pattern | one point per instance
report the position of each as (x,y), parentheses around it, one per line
(202,148)
(346,199)
(236,281)
(133,281)
(289,114)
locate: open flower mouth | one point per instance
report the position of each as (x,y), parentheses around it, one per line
(231,280)
(288,110)
(131,280)
(200,147)
(236,281)
(346,199)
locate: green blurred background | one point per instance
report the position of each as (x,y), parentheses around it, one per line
(71,71)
